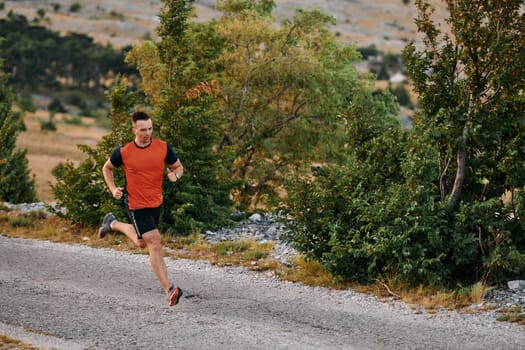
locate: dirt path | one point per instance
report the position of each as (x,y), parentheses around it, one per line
(75,297)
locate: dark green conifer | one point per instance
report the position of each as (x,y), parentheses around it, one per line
(16,186)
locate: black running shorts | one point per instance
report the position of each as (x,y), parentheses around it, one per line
(144,220)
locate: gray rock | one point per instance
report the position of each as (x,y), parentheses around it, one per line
(516,285)
(255,218)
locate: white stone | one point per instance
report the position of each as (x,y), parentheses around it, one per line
(516,284)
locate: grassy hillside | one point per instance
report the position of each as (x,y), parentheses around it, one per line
(46,149)
(387,24)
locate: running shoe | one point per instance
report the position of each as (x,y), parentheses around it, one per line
(106,225)
(174,295)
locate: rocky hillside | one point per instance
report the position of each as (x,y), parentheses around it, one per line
(387,24)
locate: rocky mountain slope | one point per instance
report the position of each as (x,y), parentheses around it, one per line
(387,24)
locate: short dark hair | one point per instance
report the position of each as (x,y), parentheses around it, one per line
(140,116)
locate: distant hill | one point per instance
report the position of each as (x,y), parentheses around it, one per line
(387,24)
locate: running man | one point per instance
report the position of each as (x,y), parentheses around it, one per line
(144,160)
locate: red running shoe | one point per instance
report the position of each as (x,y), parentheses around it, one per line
(174,295)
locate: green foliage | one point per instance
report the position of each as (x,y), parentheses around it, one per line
(40,58)
(25,102)
(359,217)
(401,93)
(41,13)
(19,118)
(81,189)
(368,51)
(56,106)
(73,120)
(16,186)
(21,221)
(49,124)
(201,199)
(262,7)
(75,7)
(281,91)
(83,193)
(76,98)
(443,202)
(250,107)
(183,115)
(471,94)
(189,122)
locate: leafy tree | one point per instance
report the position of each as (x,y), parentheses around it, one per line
(177,87)
(49,124)
(470,83)
(16,186)
(75,7)
(442,203)
(176,82)
(349,214)
(368,51)
(281,91)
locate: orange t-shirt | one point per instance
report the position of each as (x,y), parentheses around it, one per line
(144,169)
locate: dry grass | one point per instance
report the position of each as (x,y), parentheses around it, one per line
(247,253)
(46,149)
(468,299)
(8,343)
(308,272)
(513,314)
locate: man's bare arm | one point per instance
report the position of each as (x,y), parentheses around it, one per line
(175,171)
(107,172)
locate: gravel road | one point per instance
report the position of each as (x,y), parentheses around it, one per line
(75,297)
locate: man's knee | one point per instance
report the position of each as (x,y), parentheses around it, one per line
(152,240)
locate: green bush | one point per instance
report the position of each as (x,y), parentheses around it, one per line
(364,221)
(56,106)
(73,120)
(75,7)
(48,125)
(76,98)
(25,103)
(82,191)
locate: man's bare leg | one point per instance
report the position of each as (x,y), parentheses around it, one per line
(152,241)
(156,257)
(129,231)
